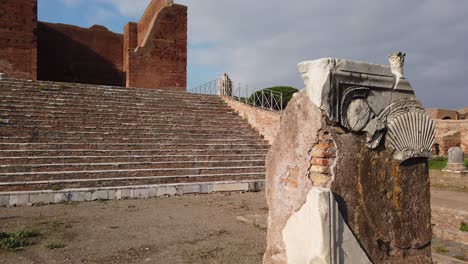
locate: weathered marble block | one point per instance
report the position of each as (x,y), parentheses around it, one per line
(456,160)
(358,131)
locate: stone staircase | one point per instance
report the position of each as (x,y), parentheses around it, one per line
(64,142)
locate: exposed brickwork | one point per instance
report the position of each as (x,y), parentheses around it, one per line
(436,113)
(130,42)
(150,54)
(323,158)
(160,60)
(83,55)
(450,133)
(18,48)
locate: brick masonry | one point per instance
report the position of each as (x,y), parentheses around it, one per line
(160,57)
(150,54)
(450,133)
(83,55)
(18,42)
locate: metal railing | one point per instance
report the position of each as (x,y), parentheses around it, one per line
(264,99)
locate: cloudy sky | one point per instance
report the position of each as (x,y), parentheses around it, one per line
(260,42)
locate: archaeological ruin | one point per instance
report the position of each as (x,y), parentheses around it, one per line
(451,130)
(149,54)
(347,177)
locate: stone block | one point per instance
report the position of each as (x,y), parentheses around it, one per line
(122,194)
(100,195)
(60,197)
(153,192)
(19,199)
(141,193)
(41,198)
(4,200)
(166,190)
(111,194)
(187,189)
(206,188)
(230,187)
(77,196)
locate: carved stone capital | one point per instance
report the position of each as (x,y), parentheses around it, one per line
(363,97)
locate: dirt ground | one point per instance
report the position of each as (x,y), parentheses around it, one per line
(187,229)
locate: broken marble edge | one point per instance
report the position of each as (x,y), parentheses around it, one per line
(318,82)
(333,240)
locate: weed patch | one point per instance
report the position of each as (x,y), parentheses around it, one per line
(52,246)
(17,240)
(441,250)
(463,227)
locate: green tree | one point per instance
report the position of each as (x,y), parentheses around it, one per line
(258,99)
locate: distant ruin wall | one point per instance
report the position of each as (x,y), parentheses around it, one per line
(436,113)
(451,133)
(150,54)
(18,45)
(160,59)
(84,55)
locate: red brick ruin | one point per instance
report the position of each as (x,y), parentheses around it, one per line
(150,54)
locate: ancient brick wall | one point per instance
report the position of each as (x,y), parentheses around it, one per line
(436,113)
(84,55)
(451,133)
(18,52)
(160,58)
(267,123)
(150,54)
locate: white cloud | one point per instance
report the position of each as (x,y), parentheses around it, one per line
(129,8)
(260,42)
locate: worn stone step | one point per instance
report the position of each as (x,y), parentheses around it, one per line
(114,123)
(111,98)
(9,129)
(124,181)
(60,86)
(120,117)
(126,158)
(40,86)
(18,136)
(34,111)
(148,151)
(89,137)
(121,146)
(92,166)
(101,174)
(123,108)
(164,140)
